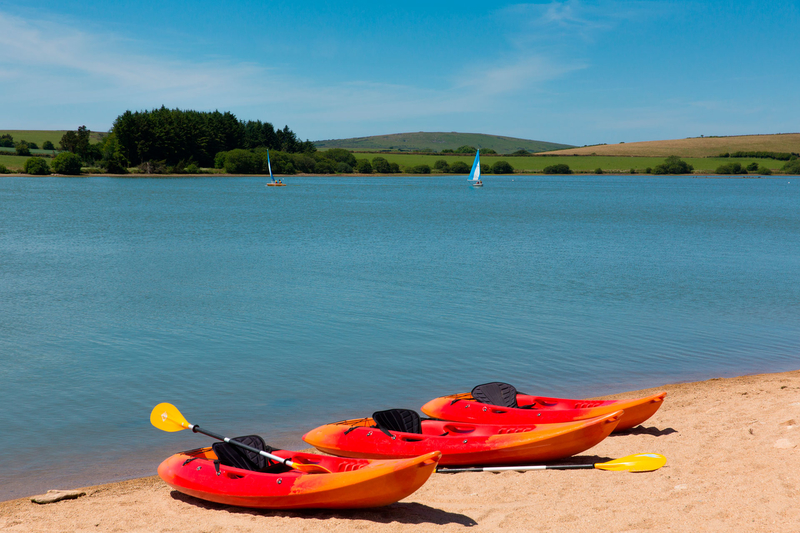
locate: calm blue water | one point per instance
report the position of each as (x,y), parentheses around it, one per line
(273,310)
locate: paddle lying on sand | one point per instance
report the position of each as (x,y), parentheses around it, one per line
(166,417)
(641,462)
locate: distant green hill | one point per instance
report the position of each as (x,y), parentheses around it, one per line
(438,141)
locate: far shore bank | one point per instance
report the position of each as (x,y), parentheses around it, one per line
(375,175)
(732,465)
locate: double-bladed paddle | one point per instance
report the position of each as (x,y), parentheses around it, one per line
(640,462)
(166,417)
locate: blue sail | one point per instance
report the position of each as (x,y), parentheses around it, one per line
(269,165)
(475,174)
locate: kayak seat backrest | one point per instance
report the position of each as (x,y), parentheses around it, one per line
(403,420)
(232,455)
(496,393)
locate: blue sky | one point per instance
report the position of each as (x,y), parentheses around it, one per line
(575,72)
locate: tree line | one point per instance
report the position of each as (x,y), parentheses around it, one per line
(180,138)
(335,160)
(779,156)
(23,147)
(164,141)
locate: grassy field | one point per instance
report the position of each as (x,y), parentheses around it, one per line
(526,164)
(695,147)
(14,162)
(576,163)
(40,136)
(5,150)
(438,141)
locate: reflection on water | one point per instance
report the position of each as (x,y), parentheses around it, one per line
(272,310)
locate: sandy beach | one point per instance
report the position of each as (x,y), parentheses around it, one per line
(733,464)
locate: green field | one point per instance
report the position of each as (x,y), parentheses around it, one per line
(13,162)
(576,163)
(526,164)
(438,141)
(5,150)
(40,136)
(521,164)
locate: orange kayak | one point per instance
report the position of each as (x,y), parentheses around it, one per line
(500,403)
(352,483)
(461,443)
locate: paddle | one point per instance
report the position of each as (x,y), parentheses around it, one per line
(166,417)
(641,462)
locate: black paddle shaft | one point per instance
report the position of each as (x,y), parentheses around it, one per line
(217,436)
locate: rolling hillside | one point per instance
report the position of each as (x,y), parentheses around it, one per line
(694,147)
(436,142)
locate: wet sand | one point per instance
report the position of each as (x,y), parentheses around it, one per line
(733,464)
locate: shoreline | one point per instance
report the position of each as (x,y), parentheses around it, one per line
(704,175)
(732,465)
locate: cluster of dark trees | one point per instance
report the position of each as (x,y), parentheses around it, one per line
(6,140)
(673,165)
(466,149)
(335,160)
(64,163)
(460,167)
(22,147)
(179,138)
(738,168)
(105,153)
(175,141)
(560,168)
(78,142)
(792,167)
(780,156)
(37,166)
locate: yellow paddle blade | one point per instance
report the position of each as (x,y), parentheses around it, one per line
(166,417)
(310,468)
(641,462)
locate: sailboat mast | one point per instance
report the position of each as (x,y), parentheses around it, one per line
(269,165)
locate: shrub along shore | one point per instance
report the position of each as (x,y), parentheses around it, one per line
(342,162)
(176,142)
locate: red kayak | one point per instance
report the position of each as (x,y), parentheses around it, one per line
(399,433)
(500,403)
(351,483)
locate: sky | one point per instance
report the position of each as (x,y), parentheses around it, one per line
(573,72)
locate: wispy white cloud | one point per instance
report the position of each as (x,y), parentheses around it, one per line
(521,73)
(56,57)
(573,19)
(571,15)
(46,61)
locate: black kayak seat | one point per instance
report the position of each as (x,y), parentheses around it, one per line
(236,457)
(496,393)
(403,420)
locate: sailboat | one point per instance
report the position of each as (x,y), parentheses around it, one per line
(274,182)
(475,174)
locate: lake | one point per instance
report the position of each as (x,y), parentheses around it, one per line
(272,310)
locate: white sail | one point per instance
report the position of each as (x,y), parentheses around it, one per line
(475,174)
